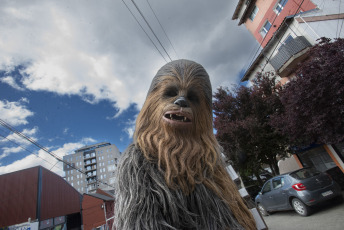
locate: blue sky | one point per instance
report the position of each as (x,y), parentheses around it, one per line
(75,74)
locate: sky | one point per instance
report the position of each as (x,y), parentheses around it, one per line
(75,73)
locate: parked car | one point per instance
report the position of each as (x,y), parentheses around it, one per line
(298,190)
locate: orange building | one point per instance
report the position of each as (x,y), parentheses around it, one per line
(263,17)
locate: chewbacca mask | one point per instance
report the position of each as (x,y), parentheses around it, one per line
(172,176)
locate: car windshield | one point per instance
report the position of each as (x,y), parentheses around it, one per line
(305,173)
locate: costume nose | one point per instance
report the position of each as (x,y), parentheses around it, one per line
(181,101)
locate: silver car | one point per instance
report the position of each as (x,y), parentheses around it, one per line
(298,190)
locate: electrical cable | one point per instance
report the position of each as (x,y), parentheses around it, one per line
(341,28)
(20,134)
(144,31)
(162,28)
(271,38)
(337,35)
(4,137)
(262,41)
(138,9)
(267,61)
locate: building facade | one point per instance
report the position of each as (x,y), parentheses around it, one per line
(98,210)
(287,40)
(98,161)
(263,17)
(37,198)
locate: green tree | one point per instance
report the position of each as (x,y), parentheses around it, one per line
(242,121)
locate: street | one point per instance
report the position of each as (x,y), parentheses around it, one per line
(326,216)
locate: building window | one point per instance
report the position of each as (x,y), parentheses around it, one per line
(254,13)
(265,28)
(280,5)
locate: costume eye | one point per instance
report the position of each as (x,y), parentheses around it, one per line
(171,92)
(192,96)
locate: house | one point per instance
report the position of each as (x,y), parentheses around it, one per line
(98,210)
(285,31)
(37,198)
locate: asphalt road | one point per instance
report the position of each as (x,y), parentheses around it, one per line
(327,216)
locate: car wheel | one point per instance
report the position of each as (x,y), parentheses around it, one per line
(262,210)
(300,208)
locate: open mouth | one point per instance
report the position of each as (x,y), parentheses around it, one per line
(177,117)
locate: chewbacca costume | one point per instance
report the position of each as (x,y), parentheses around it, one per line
(172,176)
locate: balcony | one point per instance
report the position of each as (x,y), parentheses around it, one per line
(289,55)
(91,181)
(90,162)
(89,156)
(91,168)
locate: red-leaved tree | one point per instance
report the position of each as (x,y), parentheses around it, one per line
(314,99)
(242,121)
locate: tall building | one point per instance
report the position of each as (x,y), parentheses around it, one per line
(98,161)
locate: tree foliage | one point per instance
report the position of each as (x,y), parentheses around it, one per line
(314,99)
(242,121)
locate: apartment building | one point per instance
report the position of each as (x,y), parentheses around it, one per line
(98,162)
(293,27)
(263,17)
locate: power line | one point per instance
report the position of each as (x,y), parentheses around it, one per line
(337,35)
(263,40)
(138,9)
(4,137)
(267,61)
(144,31)
(162,27)
(272,37)
(20,134)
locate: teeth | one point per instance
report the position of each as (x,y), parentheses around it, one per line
(170,116)
(184,118)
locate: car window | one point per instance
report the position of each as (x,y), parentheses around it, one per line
(305,173)
(277,182)
(267,187)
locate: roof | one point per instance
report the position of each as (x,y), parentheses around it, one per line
(250,5)
(37,193)
(237,9)
(101,196)
(102,144)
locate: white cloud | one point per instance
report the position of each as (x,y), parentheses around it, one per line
(130,127)
(20,140)
(65,130)
(15,113)
(11,81)
(6,151)
(97,50)
(44,159)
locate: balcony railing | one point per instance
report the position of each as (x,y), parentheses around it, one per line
(288,50)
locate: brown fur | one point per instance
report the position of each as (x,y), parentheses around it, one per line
(187,156)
